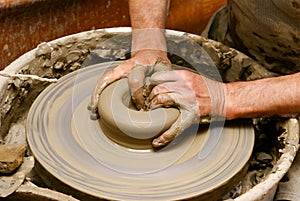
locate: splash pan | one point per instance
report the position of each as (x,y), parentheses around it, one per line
(204,163)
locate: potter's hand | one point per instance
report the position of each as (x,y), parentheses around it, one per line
(136,69)
(194,95)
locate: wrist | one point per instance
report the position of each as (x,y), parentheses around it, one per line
(230,106)
(148,39)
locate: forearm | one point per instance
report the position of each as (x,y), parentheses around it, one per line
(148,13)
(278,96)
(148,20)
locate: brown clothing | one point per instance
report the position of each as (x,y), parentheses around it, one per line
(268,31)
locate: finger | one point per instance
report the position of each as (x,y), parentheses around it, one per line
(104,80)
(161,100)
(160,96)
(164,76)
(157,90)
(185,120)
(147,91)
(162,64)
(136,84)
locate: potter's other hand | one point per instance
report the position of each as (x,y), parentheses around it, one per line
(137,80)
(135,69)
(194,95)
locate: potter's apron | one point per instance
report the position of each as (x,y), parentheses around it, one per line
(269,32)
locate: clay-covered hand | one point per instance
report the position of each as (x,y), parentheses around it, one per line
(194,95)
(136,69)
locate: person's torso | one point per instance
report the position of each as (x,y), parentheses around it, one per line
(269,30)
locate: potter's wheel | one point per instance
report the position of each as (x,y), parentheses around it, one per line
(73,149)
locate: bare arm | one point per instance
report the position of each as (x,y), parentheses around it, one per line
(148,46)
(199,97)
(148,14)
(278,96)
(148,19)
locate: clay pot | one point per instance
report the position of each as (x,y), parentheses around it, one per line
(263,191)
(127,126)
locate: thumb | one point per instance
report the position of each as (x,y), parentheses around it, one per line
(185,120)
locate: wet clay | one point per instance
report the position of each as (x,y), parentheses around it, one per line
(206,157)
(58,58)
(126,125)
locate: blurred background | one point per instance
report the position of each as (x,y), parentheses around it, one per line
(26,23)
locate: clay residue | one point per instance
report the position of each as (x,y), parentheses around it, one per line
(54,60)
(269,140)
